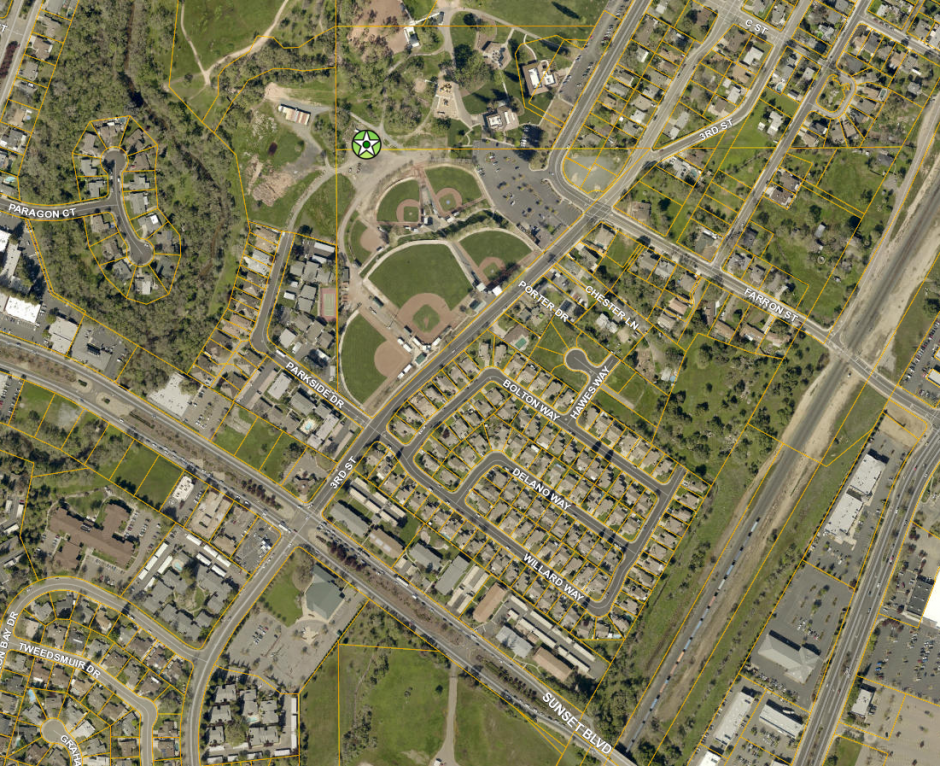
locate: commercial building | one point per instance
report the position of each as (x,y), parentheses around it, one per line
(323,595)
(782,719)
(844,514)
(734,717)
(798,662)
(862,702)
(866,476)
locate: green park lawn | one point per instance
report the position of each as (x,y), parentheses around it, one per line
(360,342)
(31,407)
(488,733)
(408,686)
(326,207)
(218,27)
(282,597)
(421,268)
(159,482)
(450,177)
(388,207)
(499,244)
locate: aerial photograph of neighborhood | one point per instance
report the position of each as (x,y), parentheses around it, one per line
(470,382)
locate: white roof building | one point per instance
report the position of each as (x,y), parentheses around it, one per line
(735,716)
(867,474)
(843,516)
(24,310)
(62,333)
(862,702)
(783,720)
(709,759)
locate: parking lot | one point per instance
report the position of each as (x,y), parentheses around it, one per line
(524,196)
(805,618)
(915,377)
(843,558)
(905,658)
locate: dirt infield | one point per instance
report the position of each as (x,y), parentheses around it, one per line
(370,240)
(494,262)
(390,358)
(452,197)
(406,315)
(407,204)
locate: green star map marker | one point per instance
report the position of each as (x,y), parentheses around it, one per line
(366,144)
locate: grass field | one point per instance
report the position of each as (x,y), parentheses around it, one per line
(449,177)
(488,732)
(30,408)
(271,142)
(60,418)
(426,318)
(159,482)
(494,244)
(284,454)
(394,685)
(133,468)
(278,214)
(218,27)
(109,450)
(260,441)
(326,207)
(282,597)
(388,207)
(844,752)
(360,342)
(421,268)
(354,241)
(230,438)
(318,741)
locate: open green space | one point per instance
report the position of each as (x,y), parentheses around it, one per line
(229,437)
(318,741)
(374,626)
(84,436)
(380,688)
(844,752)
(279,213)
(258,443)
(921,311)
(715,392)
(491,732)
(421,268)
(506,247)
(854,176)
(400,192)
(283,594)
(31,407)
(110,449)
(218,27)
(354,233)
(133,468)
(450,177)
(59,420)
(273,143)
(552,18)
(321,214)
(357,355)
(159,482)
(284,454)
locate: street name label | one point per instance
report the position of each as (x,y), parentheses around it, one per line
(530,400)
(571,720)
(73,749)
(56,656)
(33,212)
(325,391)
(591,390)
(548,574)
(541,488)
(7,635)
(544,301)
(614,309)
(771,305)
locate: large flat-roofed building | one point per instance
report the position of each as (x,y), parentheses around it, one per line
(734,717)
(920,594)
(843,516)
(798,662)
(867,474)
(551,664)
(782,719)
(709,759)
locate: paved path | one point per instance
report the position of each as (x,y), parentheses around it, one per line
(446,753)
